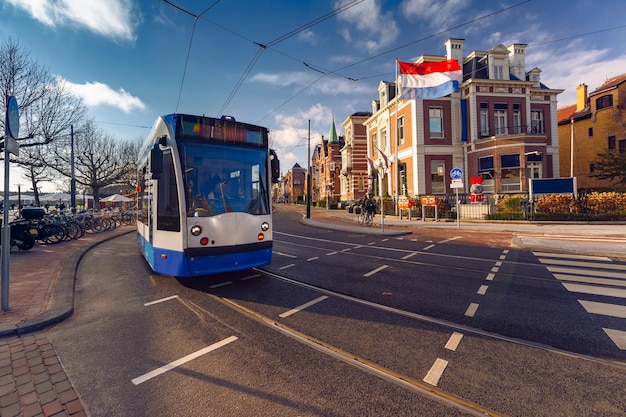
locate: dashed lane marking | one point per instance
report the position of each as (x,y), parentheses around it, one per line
(181,361)
(303,306)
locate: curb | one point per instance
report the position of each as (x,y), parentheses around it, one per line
(62,294)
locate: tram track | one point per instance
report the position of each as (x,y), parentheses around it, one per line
(401,379)
(448,265)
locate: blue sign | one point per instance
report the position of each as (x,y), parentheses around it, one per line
(456,173)
(13,118)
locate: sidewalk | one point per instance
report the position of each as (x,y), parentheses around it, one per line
(593,238)
(41,293)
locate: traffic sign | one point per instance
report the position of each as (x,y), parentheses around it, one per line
(456,173)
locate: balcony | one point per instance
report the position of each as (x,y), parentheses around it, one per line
(532,129)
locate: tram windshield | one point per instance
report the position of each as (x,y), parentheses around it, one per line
(222,178)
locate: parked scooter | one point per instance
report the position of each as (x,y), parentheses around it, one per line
(20,235)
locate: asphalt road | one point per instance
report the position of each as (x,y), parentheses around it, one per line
(344,324)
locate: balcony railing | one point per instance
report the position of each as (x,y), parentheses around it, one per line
(513,130)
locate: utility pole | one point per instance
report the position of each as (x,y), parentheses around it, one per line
(308,175)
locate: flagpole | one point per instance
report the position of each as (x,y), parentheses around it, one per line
(382,205)
(397,164)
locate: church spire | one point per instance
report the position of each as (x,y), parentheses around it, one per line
(332,138)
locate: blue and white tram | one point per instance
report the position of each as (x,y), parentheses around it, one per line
(204,195)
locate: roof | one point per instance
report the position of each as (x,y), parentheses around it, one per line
(610,83)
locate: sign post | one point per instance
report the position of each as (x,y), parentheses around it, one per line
(457,182)
(12,128)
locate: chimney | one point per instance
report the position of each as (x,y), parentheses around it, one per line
(454,49)
(581,97)
(517,60)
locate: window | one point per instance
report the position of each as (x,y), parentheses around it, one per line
(604,102)
(517,119)
(436,122)
(510,178)
(498,72)
(401,130)
(383,141)
(437,169)
(168,212)
(622,146)
(374,143)
(592,168)
(500,119)
(484,119)
(611,144)
(591,132)
(536,120)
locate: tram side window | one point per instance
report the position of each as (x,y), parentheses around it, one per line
(168,213)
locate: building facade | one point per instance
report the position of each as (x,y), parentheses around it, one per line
(501,126)
(596,123)
(354,174)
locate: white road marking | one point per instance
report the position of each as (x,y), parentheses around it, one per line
(590,280)
(287,266)
(592,289)
(495,269)
(471,310)
(181,361)
(160,301)
(435,372)
(331,253)
(618,337)
(454,341)
(221,284)
(580,264)
(502,257)
(285,254)
(483,289)
(302,307)
(566,256)
(313,258)
(250,277)
(386,239)
(577,271)
(409,255)
(498,264)
(429,246)
(490,277)
(605,309)
(380,268)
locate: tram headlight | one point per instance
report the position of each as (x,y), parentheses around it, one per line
(265,226)
(196,230)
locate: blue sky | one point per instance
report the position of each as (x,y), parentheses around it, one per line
(133,60)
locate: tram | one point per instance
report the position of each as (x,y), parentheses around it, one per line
(204,195)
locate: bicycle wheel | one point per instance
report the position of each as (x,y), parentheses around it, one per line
(52,233)
(369,219)
(362,216)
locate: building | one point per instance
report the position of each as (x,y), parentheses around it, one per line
(326,183)
(501,126)
(293,184)
(594,124)
(354,174)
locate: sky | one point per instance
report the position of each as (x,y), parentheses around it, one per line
(283,63)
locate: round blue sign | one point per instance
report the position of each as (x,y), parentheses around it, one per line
(456,173)
(13,118)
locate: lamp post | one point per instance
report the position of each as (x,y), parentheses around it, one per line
(73,180)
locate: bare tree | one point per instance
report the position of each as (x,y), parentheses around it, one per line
(47,108)
(99,160)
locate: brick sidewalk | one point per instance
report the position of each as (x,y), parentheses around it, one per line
(33,382)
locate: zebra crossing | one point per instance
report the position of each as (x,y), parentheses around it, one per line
(594,276)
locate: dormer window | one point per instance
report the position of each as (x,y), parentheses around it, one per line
(604,102)
(498,72)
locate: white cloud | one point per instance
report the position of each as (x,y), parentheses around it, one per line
(116,19)
(438,14)
(330,85)
(576,65)
(368,18)
(290,136)
(99,94)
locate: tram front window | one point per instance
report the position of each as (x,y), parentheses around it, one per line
(222,179)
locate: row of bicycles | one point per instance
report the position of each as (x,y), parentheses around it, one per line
(35,225)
